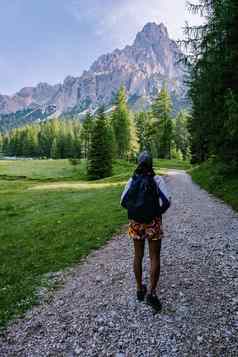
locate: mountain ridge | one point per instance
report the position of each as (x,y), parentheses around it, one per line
(142,68)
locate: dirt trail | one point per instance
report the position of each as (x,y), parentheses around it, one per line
(96,314)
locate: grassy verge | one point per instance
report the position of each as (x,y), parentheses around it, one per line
(50,218)
(217,179)
(172,164)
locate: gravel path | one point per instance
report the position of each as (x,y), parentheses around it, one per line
(96,314)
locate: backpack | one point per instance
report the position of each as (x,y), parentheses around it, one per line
(142,199)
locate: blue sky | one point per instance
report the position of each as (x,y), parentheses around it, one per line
(45,40)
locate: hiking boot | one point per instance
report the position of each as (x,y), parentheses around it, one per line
(141,293)
(153,301)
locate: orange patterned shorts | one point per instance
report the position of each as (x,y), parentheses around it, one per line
(141,231)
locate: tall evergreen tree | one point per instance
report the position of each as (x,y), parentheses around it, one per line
(86,133)
(77,146)
(140,120)
(1,143)
(121,125)
(30,142)
(111,136)
(181,134)
(134,145)
(54,152)
(100,152)
(5,145)
(161,110)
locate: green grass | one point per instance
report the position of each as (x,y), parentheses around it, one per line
(42,169)
(219,180)
(172,164)
(50,218)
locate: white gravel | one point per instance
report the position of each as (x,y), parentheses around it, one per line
(95,313)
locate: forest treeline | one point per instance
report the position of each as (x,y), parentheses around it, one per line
(213,63)
(102,137)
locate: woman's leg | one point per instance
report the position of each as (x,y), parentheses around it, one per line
(154,251)
(139,246)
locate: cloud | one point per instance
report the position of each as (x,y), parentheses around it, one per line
(119,21)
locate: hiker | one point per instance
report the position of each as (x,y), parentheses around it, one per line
(146,198)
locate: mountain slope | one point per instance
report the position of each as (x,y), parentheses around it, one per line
(142,68)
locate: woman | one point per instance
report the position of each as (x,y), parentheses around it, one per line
(148,229)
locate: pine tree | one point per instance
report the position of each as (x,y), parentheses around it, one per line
(45,138)
(54,152)
(161,110)
(151,139)
(1,143)
(147,133)
(86,134)
(77,145)
(134,139)
(121,125)
(111,137)
(181,134)
(69,144)
(77,148)
(30,142)
(100,152)
(5,145)
(140,120)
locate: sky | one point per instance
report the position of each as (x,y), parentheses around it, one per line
(46,40)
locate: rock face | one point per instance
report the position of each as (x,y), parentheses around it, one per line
(142,68)
(28,97)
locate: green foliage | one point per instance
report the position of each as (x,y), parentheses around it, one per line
(52,139)
(219,179)
(54,151)
(161,111)
(134,140)
(162,135)
(146,133)
(181,136)
(1,142)
(176,154)
(100,152)
(214,81)
(121,125)
(86,134)
(140,120)
(74,162)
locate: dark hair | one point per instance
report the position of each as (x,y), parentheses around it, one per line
(144,169)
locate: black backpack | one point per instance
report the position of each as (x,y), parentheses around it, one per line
(142,199)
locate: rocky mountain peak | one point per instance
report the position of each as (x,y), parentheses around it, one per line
(151,34)
(69,80)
